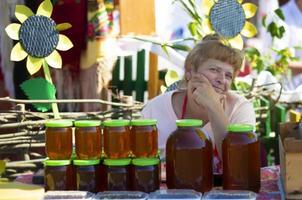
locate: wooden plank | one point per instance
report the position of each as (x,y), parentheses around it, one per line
(137,17)
(153,83)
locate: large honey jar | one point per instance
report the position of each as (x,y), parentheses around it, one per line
(189,155)
(241,158)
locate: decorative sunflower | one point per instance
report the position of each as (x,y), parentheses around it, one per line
(38,37)
(228,19)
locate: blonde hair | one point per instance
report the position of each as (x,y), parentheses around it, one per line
(213,47)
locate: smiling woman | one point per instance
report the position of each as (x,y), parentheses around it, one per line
(204,94)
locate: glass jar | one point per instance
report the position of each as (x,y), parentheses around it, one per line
(58,139)
(117,174)
(116,139)
(241,158)
(144,138)
(145,174)
(58,175)
(88,176)
(189,156)
(88,139)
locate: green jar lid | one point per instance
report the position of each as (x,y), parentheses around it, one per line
(87,123)
(58,123)
(116,123)
(143,122)
(188,122)
(55,163)
(240,128)
(117,162)
(86,162)
(145,161)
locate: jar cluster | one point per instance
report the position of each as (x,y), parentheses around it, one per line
(109,155)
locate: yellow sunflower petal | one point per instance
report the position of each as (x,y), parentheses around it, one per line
(12,31)
(163,89)
(240,1)
(249,30)
(23,12)
(18,53)
(206,26)
(249,10)
(236,42)
(64,43)
(206,6)
(33,64)
(54,60)
(45,8)
(63,26)
(171,77)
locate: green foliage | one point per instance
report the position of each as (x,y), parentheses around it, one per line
(38,89)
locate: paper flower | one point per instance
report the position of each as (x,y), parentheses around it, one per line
(38,37)
(228,18)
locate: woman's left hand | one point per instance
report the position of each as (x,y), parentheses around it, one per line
(205,94)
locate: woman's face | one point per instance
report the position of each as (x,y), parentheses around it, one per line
(219,74)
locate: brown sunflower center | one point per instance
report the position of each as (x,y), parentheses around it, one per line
(227,18)
(38,36)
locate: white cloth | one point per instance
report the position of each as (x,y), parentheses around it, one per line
(239,110)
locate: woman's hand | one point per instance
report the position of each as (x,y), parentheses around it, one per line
(203,92)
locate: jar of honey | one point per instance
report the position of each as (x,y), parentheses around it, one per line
(116,139)
(88,139)
(145,174)
(58,139)
(58,175)
(144,138)
(88,176)
(189,156)
(117,174)
(241,158)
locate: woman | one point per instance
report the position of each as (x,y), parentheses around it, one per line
(204,94)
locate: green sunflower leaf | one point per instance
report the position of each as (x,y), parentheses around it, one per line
(280,14)
(39,89)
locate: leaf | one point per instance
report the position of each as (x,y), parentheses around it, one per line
(252,52)
(63,26)
(164,46)
(263,21)
(192,28)
(280,14)
(181,47)
(39,89)
(276,31)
